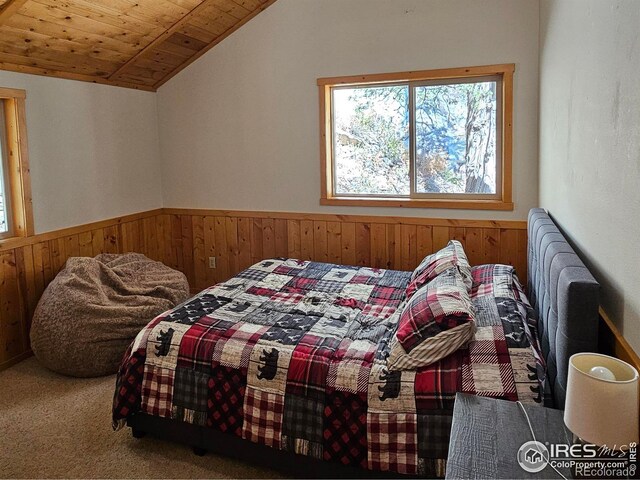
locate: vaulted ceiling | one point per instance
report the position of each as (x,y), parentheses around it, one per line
(129,43)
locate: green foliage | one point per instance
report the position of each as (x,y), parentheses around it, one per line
(372,147)
(455,139)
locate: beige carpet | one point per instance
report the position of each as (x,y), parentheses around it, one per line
(59,427)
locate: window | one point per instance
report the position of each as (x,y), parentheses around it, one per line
(16,217)
(439,138)
(4,204)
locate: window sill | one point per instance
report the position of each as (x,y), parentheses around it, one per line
(7,236)
(8,242)
(418,203)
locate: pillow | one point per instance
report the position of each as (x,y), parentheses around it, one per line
(433,265)
(435,322)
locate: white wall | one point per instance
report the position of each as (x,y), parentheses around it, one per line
(239,127)
(590,141)
(93,150)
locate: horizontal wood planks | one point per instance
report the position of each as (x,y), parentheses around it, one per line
(186,239)
(125,43)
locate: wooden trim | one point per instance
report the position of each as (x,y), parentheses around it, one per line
(12,93)
(218,39)
(9,9)
(72,76)
(441,73)
(23,177)
(166,34)
(613,343)
(417,203)
(19,177)
(328,217)
(507,135)
(18,242)
(326,155)
(504,201)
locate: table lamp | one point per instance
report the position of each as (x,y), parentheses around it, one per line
(601,405)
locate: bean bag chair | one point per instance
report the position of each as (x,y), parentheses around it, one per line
(94,308)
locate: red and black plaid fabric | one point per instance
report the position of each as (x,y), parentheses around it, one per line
(487,369)
(226,398)
(157,391)
(233,348)
(293,355)
(129,385)
(263,413)
(441,304)
(393,442)
(197,346)
(345,412)
(309,366)
(437,384)
(261,291)
(451,256)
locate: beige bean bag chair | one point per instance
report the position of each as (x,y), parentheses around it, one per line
(95,307)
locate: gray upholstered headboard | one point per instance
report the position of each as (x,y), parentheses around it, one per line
(565,296)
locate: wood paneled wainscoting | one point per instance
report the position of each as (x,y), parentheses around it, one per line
(28,264)
(237,239)
(186,239)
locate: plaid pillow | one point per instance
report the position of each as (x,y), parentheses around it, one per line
(433,265)
(435,322)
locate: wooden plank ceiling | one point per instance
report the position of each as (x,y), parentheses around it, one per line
(130,43)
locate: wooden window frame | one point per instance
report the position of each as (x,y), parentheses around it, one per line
(18,187)
(501,201)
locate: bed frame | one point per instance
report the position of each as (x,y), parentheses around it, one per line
(561,290)
(565,296)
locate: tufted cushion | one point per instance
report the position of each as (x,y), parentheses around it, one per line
(437,320)
(433,265)
(565,296)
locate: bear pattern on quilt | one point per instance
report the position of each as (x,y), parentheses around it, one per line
(293,355)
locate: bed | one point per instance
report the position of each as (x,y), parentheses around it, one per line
(290,357)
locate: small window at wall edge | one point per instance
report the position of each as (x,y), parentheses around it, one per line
(381,140)
(16,214)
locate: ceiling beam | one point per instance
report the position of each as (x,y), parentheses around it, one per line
(9,8)
(143,58)
(166,34)
(72,76)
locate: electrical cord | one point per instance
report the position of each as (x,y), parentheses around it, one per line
(526,415)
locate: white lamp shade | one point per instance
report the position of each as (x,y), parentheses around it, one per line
(598,410)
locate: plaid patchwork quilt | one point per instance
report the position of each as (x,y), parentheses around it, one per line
(293,354)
